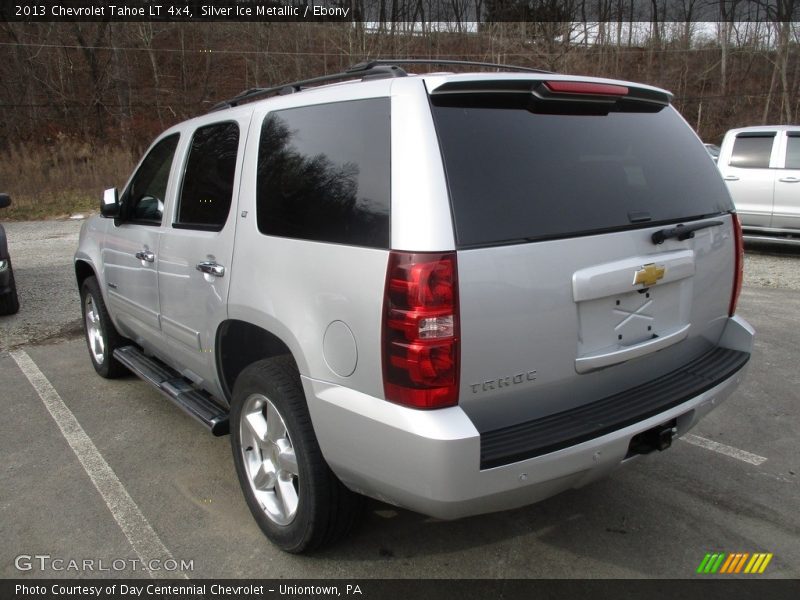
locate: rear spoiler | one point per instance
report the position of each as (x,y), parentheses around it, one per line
(559,90)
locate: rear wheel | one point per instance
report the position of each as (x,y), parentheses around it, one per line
(9,301)
(294,496)
(102,338)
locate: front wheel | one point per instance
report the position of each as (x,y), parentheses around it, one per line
(102,337)
(294,496)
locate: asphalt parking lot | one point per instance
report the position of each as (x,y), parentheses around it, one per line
(733,487)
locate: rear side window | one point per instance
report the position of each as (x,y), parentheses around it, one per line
(207,190)
(323,173)
(752,150)
(793,150)
(516,176)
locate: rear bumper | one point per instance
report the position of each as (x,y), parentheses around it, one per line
(430,461)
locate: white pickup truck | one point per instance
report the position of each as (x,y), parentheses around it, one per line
(761,166)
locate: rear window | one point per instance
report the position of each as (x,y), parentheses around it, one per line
(518,176)
(752,150)
(793,150)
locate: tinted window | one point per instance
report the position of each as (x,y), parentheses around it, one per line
(515,175)
(323,173)
(793,151)
(208,180)
(143,199)
(752,151)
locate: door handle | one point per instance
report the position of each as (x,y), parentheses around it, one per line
(211,268)
(730,178)
(145,255)
(789,179)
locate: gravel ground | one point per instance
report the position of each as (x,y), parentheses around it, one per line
(772,265)
(41,252)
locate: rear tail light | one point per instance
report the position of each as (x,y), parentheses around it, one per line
(738,271)
(420,330)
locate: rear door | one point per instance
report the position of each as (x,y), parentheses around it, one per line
(749,178)
(786,209)
(564,296)
(195,256)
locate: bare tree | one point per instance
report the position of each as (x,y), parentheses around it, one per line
(89,37)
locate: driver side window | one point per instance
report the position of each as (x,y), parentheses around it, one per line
(143,199)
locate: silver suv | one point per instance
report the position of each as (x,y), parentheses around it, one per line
(456,293)
(761,167)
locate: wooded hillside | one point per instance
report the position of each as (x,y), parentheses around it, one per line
(113,86)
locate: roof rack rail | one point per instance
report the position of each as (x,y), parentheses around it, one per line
(365,73)
(436,61)
(371,69)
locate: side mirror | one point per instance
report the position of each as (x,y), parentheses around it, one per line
(109,207)
(5,200)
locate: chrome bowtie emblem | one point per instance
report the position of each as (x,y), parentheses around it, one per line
(648,275)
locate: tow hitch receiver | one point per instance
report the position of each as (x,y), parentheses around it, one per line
(658,438)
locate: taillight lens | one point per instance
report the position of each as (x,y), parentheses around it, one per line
(420,330)
(738,272)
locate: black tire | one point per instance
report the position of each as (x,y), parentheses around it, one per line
(104,363)
(9,302)
(325,508)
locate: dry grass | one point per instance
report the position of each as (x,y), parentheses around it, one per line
(60,179)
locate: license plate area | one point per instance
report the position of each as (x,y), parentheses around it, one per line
(615,313)
(627,319)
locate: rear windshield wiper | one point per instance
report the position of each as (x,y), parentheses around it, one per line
(682,232)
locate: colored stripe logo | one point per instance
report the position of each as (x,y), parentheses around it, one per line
(734,563)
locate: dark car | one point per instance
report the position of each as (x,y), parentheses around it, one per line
(9,303)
